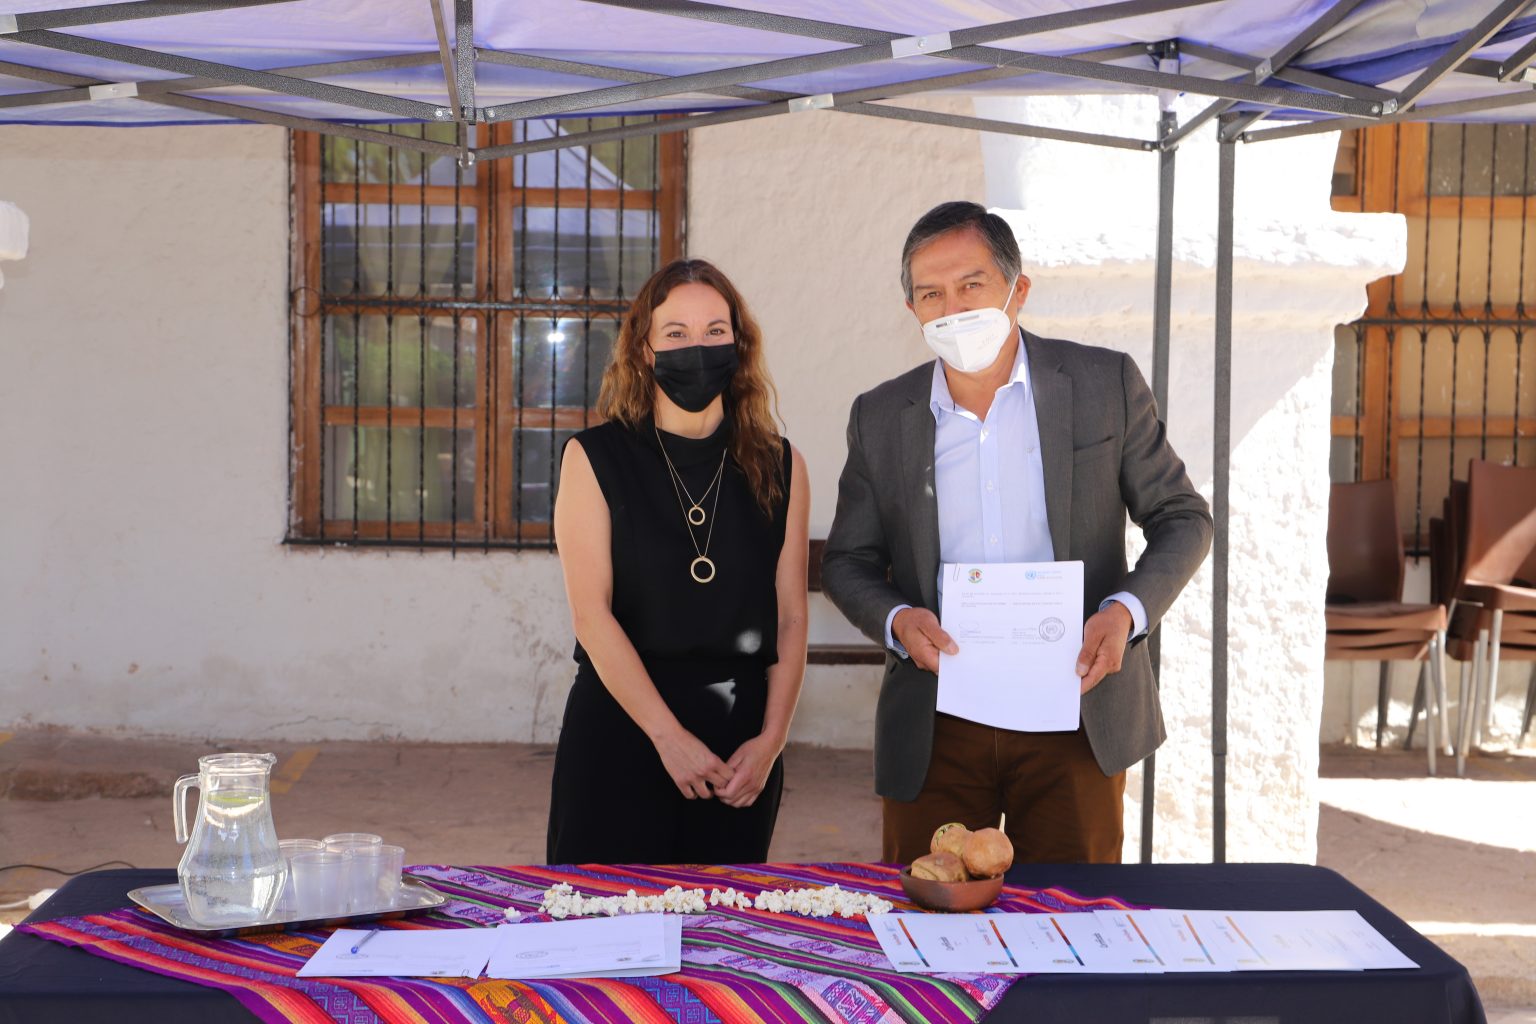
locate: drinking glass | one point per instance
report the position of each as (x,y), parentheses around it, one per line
(375,876)
(319,883)
(286,903)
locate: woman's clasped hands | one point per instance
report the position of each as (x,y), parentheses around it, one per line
(699,774)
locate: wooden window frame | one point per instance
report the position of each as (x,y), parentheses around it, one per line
(1392,176)
(495,413)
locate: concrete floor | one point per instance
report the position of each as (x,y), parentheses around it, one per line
(1454,857)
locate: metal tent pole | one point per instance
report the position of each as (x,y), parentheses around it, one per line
(1221,488)
(1279,59)
(102,14)
(226,74)
(1162,316)
(873,46)
(160,86)
(1474,38)
(464,54)
(1430,112)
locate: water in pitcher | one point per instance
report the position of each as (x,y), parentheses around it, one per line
(232,872)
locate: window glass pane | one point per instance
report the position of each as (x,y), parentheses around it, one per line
(622,163)
(537,454)
(1346,369)
(1467,159)
(1424,384)
(1424,479)
(561,362)
(404,474)
(344,161)
(1345,161)
(368,252)
(1341,460)
(394,367)
(555,247)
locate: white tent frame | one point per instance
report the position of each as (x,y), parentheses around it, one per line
(1332,104)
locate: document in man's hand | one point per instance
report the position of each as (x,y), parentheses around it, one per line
(1019,627)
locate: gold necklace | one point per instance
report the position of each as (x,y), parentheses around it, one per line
(677,483)
(679,489)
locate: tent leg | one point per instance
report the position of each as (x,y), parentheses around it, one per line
(1221,491)
(1383,699)
(1161,320)
(1421,703)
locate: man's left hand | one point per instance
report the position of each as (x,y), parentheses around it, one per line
(1105,635)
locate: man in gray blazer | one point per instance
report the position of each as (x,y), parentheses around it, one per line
(1008,448)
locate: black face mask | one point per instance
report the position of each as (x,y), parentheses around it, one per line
(693,376)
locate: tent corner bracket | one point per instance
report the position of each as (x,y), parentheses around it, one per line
(914,46)
(114,91)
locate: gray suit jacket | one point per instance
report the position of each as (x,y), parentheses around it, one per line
(1105,454)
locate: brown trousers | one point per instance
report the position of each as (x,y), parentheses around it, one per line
(1061,807)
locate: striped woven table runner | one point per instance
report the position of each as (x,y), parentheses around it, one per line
(738,965)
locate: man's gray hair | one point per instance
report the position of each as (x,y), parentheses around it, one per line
(954,216)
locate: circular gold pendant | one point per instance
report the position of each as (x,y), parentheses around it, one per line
(699,521)
(694,571)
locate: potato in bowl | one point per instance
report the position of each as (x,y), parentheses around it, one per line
(964,870)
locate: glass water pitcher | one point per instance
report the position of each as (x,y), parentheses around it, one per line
(232,872)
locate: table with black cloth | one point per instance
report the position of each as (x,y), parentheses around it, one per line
(42,981)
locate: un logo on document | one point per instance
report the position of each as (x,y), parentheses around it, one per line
(1052,629)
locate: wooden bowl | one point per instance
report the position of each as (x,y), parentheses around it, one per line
(951,897)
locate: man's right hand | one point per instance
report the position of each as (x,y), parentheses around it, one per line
(918,630)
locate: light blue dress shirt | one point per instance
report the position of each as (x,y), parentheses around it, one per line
(991,484)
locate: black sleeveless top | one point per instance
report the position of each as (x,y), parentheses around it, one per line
(666,614)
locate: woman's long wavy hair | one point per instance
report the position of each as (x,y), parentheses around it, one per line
(751,403)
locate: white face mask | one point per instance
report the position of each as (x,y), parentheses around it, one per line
(970,341)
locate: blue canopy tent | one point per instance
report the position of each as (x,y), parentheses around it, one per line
(1272,69)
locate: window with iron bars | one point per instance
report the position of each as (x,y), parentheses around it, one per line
(451,324)
(1438,371)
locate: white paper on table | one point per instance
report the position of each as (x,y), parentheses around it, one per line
(393,953)
(626,946)
(943,943)
(1202,933)
(1223,934)
(1171,940)
(1319,940)
(1042,946)
(1019,627)
(1105,948)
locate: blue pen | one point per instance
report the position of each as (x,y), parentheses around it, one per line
(364,940)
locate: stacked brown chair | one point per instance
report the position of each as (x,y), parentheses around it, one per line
(1367,619)
(1442,583)
(1492,527)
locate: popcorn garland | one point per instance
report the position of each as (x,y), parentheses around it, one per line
(561,901)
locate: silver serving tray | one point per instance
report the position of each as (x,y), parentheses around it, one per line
(168,904)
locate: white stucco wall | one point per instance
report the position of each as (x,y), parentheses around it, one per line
(13,233)
(144,583)
(145,587)
(1087,228)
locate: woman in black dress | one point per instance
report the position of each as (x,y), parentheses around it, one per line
(682,529)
